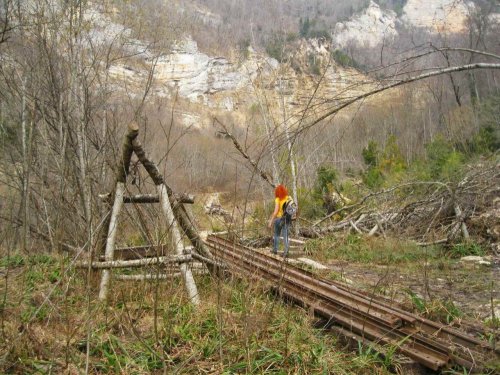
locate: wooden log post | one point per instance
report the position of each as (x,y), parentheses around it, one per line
(122,172)
(177,259)
(164,193)
(178,245)
(121,177)
(150,198)
(148,277)
(110,243)
(186,222)
(179,210)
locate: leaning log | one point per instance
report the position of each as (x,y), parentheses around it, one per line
(180,212)
(177,242)
(110,242)
(164,194)
(187,224)
(111,225)
(122,172)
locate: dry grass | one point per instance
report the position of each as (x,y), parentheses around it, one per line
(47,315)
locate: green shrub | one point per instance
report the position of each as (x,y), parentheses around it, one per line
(373,178)
(326,177)
(39,313)
(291,37)
(310,29)
(396,5)
(453,167)
(42,259)
(15,260)
(486,140)
(488,137)
(371,154)
(310,205)
(383,165)
(320,34)
(391,160)
(304,27)
(313,64)
(8,134)
(345,60)
(275,48)
(444,162)
(465,249)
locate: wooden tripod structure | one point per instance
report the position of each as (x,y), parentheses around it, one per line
(174,212)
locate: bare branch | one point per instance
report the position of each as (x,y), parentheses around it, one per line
(400,83)
(262,173)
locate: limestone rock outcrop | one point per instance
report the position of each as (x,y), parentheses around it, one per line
(367,29)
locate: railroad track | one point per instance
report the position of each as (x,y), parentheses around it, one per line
(358,314)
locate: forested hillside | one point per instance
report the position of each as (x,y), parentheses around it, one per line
(132,130)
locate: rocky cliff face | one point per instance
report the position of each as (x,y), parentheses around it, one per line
(437,15)
(216,83)
(220,83)
(370,27)
(193,74)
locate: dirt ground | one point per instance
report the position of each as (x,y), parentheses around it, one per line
(472,288)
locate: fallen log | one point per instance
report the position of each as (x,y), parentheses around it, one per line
(151,198)
(207,261)
(437,242)
(153,276)
(136,262)
(139,252)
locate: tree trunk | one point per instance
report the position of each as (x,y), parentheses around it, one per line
(26,167)
(291,157)
(272,142)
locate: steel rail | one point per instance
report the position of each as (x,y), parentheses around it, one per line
(427,353)
(370,317)
(427,326)
(371,303)
(316,286)
(369,327)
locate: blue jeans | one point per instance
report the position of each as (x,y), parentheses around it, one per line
(280,228)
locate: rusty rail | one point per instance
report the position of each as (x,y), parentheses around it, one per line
(368,317)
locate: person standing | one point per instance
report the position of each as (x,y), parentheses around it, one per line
(278,219)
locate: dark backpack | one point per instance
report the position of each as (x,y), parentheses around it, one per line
(289,210)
